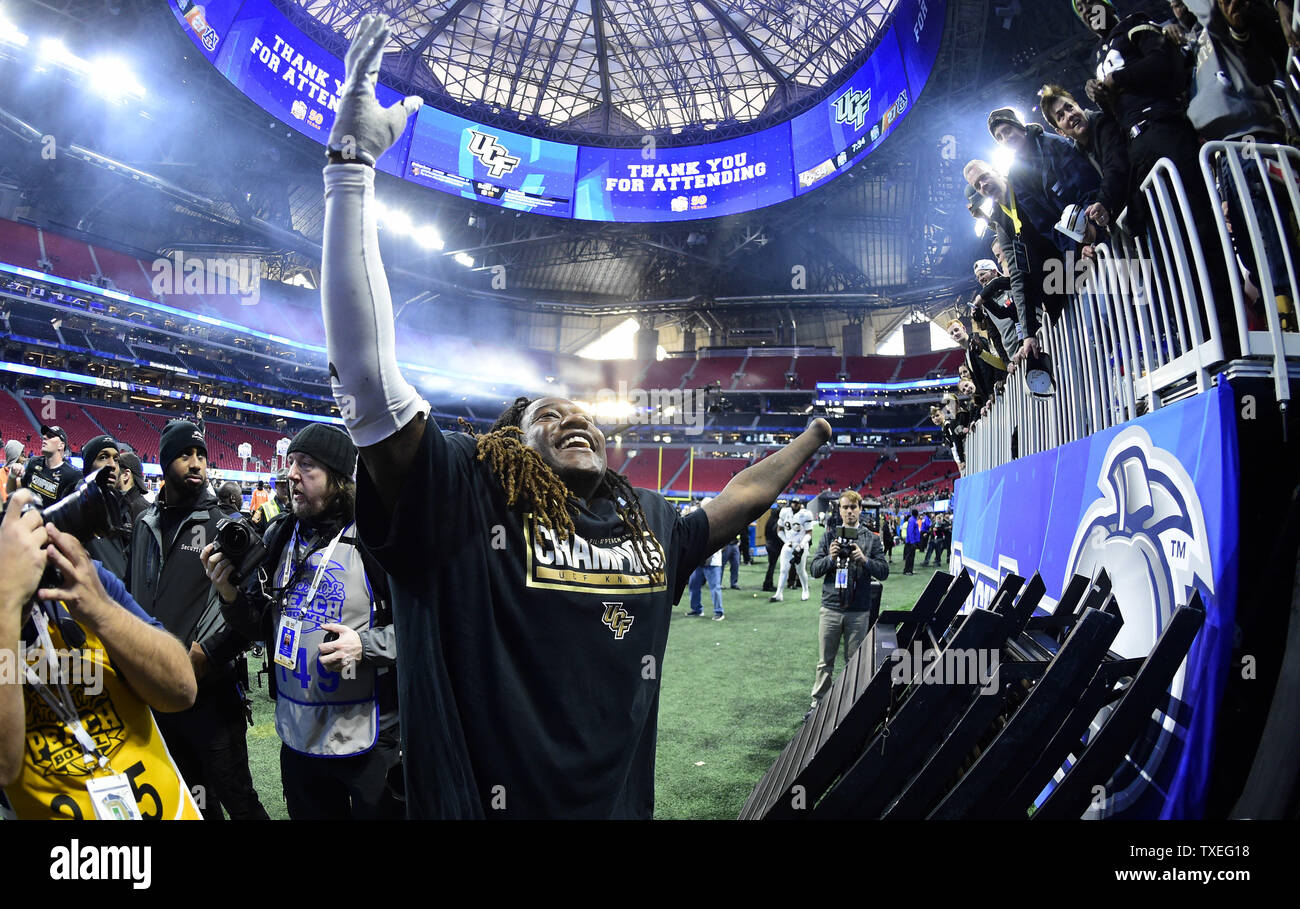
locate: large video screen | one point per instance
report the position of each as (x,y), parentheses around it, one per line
(254,46)
(673,184)
(491,165)
(853,121)
(290,76)
(920,32)
(206,23)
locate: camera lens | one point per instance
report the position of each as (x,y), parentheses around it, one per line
(234,538)
(85,513)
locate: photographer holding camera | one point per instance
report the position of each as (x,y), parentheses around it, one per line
(313,594)
(848,558)
(78,740)
(167,579)
(109,549)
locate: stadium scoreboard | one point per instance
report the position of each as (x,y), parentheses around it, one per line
(259,51)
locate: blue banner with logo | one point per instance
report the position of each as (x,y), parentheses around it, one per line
(1154,502)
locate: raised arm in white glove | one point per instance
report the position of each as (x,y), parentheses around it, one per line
(363,128)
(374,399)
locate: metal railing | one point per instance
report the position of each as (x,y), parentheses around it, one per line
(1158,313)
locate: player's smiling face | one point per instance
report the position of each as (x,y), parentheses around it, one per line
(568,440)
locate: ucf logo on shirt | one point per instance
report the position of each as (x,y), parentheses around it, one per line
(618,619)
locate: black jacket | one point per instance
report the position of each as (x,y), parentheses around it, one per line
(983,373)
(858,596)
(1000,318)
(1151,72)
(769,532)
(1107,151)
(1051,175)
(135,503)
(1027,253)
(171,585)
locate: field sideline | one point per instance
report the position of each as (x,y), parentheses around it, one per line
(734,692)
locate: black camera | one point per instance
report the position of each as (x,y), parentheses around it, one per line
(848,533)
(91,510)
(238,541)
(88,511)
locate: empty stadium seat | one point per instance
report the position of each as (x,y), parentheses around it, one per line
(708,476)
(811,370)
(66,414)
(842,470)
(16,423)
(70,258)
(19,244)
(128,274)
(871,369)
(643,470)
(919,365)
(766,373)
(667,373)
(715,370)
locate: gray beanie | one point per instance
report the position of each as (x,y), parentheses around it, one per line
(13,449)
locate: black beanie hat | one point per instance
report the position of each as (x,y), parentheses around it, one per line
(1004,115)
(176,437)
(327,444)
(131,461)
(91,450)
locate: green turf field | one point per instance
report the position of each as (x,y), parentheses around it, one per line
(734,692)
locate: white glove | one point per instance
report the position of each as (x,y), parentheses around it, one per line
(363,128)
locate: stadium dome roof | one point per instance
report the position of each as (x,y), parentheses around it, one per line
(617,67)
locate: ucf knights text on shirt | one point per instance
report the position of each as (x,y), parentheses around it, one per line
(528,667)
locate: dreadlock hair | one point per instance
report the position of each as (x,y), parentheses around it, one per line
(529,482)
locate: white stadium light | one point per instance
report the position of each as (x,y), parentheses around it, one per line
(9,34)
(58,53)
(114,80)
(982,225)
(1003,158)
(428,237)
(399,221)
(465,259)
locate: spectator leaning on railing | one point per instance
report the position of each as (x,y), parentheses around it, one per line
(985,366)
(1026,249)
(1048,173)
(993,309)
(1238,56)
(1142,79)
(1099,138)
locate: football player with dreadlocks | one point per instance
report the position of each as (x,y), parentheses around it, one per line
(532,586)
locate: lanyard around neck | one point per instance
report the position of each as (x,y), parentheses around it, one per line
(290,570)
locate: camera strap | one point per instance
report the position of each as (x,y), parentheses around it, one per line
(60,700)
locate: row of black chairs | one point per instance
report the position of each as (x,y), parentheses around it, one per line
(918,727)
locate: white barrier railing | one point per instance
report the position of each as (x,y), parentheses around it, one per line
(1157,314)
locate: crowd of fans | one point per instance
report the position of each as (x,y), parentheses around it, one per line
(1160,90)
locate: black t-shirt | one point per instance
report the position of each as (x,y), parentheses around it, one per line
(50,483)
(528,671)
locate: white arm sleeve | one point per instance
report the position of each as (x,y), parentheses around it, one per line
(374,399)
